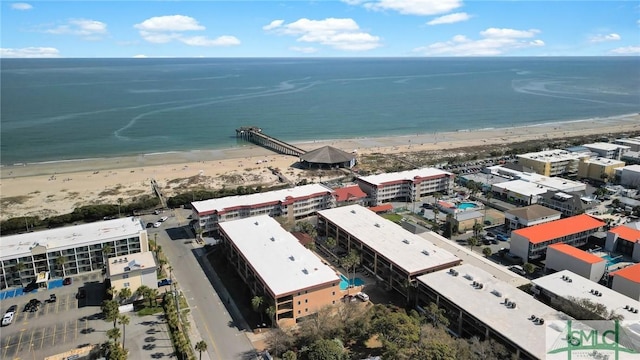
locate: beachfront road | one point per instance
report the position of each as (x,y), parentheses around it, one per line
(209,310)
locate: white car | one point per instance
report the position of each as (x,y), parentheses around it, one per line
(157,224)
(163,219)
(362,296)
(7,319)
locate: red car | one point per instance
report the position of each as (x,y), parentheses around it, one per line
(67,281)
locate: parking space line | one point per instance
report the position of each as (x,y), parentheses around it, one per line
(31,339)
(6,347)
(75,334)
(20,339)
(64,335)
(53,336)
(44,332)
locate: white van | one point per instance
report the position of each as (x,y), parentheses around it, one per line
(362,296)
(164,218)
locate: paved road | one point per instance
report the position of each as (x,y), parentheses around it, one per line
(223,333)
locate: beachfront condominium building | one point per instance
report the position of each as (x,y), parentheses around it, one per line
(566,257)
(406,186)
(531,215)
(294,203)
(608,150)
(632,143)
(630,176)
(531,243)
(132,271)
(274,265)
(68,251)
(563,290)
(477,304)
(394,255)
(626,281)
(552,162)
(599,169)
(624,240)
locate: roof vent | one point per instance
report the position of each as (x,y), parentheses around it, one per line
(292,258)
(406,241)
(353,211)
(257,223)
(426,252)
(468,277)
(532,317)
(497,293)
(305,271)
(377,225)
(273,238)
(126,268)
(115,261)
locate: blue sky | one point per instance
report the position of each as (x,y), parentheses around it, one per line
(348,28)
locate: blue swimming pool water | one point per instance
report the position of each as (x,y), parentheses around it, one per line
(612,261)
(466,205)
(344,282)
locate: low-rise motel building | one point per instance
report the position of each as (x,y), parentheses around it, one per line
(564,289)
(627,281)
(624,240)
(408,185)
(132,271)
(566,257)
(274,265)
(294,203)
(531,215)
(531,243)
(394,255)
(599,169)
(478,304)
(67,251)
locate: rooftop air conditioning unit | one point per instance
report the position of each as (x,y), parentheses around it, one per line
(569,280)
(474,283)
(626,307)
(405,241)
(426,252)
(455,273)
(635,311)
(532,317)
(480,286)
(377,225)
(513,305)
(541,321)
(353,211)
(599,294)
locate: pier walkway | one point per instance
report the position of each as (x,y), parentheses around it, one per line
(255,135)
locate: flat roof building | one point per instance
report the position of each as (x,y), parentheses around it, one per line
(608,150)
(394,255)
(273,264)
(632,143)
(624,240)
(626,281)
(478,304)
(293,203)
(519,191)
(531,242)
(599,169)
(535,214)
(566,257)
(132,271)
(408,185)
(564,289)
(630,176)
(552,162)
(80,246)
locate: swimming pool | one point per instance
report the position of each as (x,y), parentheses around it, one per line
(466,205)
(344,282)
(612,261)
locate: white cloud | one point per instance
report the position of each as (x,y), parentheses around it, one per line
(450,19)
(494,41)
(165,29)
(604,37)
(140,56)
(626,50)
(274,24)
(30,52)
(81,27)
(21,6)
(169,23)
(415,7)
(353,2)
(204,41)
(341,34)
(304,50)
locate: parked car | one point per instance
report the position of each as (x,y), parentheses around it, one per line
(7,318)
(52,298)
(30,287)
(362,296)
(157,224)
(502,237)
(149,225)
(518,270)
(67,281)
(164,282)
(164,218)
(349,298)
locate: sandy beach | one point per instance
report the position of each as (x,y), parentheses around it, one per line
(53,188)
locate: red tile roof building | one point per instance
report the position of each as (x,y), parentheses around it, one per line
(624,240)
(627,281)
(349,195)
(532,242)
(566,257)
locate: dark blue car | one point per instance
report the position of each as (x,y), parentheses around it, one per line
(502,237)
(164,282)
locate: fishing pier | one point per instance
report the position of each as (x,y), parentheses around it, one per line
(255,135)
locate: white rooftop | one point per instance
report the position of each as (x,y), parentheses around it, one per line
(488,306)
(633,168)
(581,287)
(132,262)
(552,155)
(558,183)
(604,161)
(68,237)
(221,204)
(408,251)
(605,146)
(408,175)
(277,257)
(522,187)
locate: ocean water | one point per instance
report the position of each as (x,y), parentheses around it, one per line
(57,109)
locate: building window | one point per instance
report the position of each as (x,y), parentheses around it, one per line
(126,285)
(306,301)
(125,276)
(298,302)
(333,302)
(306,310)
(333,293)
(298,312)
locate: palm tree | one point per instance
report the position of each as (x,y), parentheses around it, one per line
(271,312)
(153,295)
(256,304)
(106,250)
(487,251)
(60,263)
(331,243)
(488,196)
(124,294)
(144,291)
(473,241)
(351,261)
(113,334)
(200,347)
(18,268)
(120,201)
(435,216)
(123,320)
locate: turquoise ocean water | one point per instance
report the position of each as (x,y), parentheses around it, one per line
(58,109)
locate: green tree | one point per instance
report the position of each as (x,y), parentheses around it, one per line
(472,241)
(477,229)
(124,321)
(351,261)
(256,305)
(289,355)
(437,316)
(487,251)
(120,201)
(325,349)
(110,311)
(124,294)
(106,251)
(271,313)
(144,291)
(529,268)
(153,296)
(331,243)
(201,346)
(60,260)
(435,215)
(114,334)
